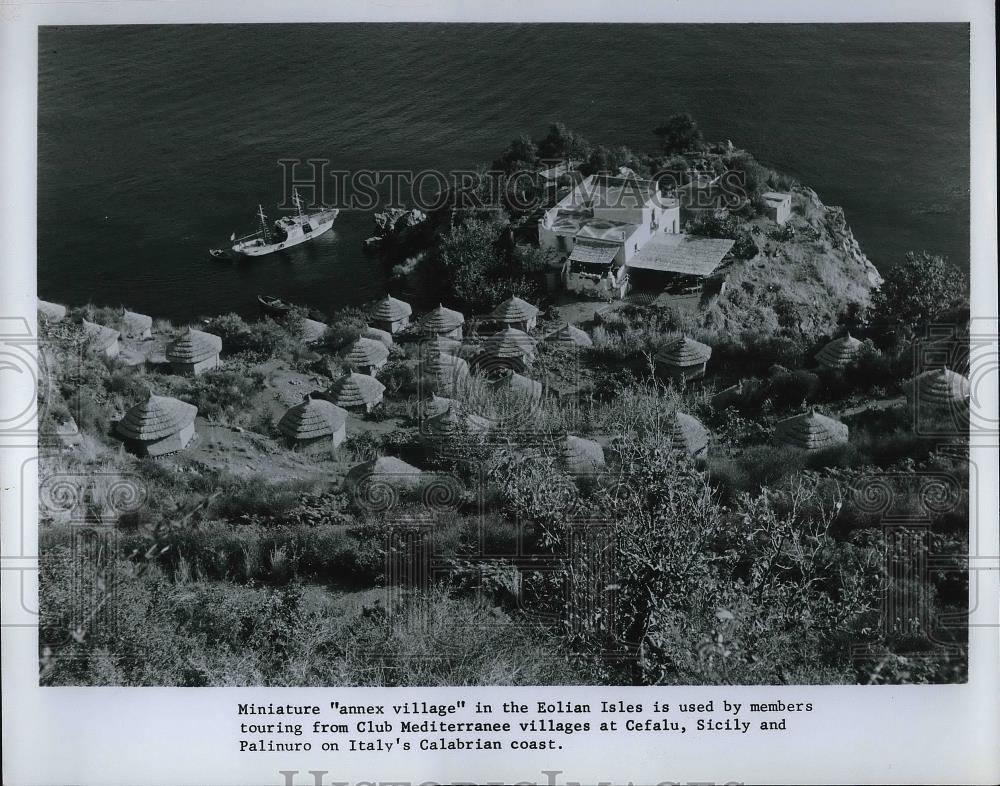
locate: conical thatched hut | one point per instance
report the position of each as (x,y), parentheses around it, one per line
(810,431)
(839,353)
(193,352)
(375,483)
(51,312)
(434,405)
(391,315)
(442,322)
(440,345)
(940,395)
(366,355)
(520,385)
(516,313)
(455,422)
(384,336)
(582,456)
(570,335)
(683,358)
(157,426)
(509,343)
(135,325)
(359,392)
(313,331)
(448,371)
(688,433)
(102,339)
(314,422)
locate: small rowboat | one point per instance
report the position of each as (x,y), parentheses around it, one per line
(274,305)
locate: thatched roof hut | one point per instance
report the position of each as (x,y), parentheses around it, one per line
(582,456)
(357,391)
(102,339)
(448,371)
(937,392)
(454,421)
(520,385)
(509,343)
(434,405)
(683,358)
(375,483)
(366,355)
(194,351)
(442,322)
(314,420)
(810,431)
(391,315)
(157,425)
(517,313)
(839,353)
(378,334)
(51,312)
(440,345)
(135,325)
(688,433)
(571,335)
(313,330)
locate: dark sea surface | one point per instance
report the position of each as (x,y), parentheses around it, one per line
(155,143)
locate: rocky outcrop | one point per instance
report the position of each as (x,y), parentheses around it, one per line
(841,236)
(396,220)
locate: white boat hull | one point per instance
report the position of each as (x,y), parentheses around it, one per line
(257,248)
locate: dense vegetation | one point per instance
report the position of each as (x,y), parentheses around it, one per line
(756,565)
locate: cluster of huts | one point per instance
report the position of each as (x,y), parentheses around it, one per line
(158,425)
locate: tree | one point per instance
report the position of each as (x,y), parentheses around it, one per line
(679,134)
(561,143)
(925,288)
(521,153)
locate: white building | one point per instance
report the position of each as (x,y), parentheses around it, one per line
(778,206)
(600,225)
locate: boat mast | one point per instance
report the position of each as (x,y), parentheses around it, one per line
(297,201)
(263,224)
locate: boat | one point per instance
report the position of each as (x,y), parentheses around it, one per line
(218,253)
(286,232)
(274,305)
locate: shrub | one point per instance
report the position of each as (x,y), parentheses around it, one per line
(224,395)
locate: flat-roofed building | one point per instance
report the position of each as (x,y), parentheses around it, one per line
(778,206)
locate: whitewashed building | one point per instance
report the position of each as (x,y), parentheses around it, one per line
(600,225)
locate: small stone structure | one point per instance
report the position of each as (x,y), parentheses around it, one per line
(777,206)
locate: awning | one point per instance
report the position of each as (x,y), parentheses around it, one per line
(683,254)
(592,253)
